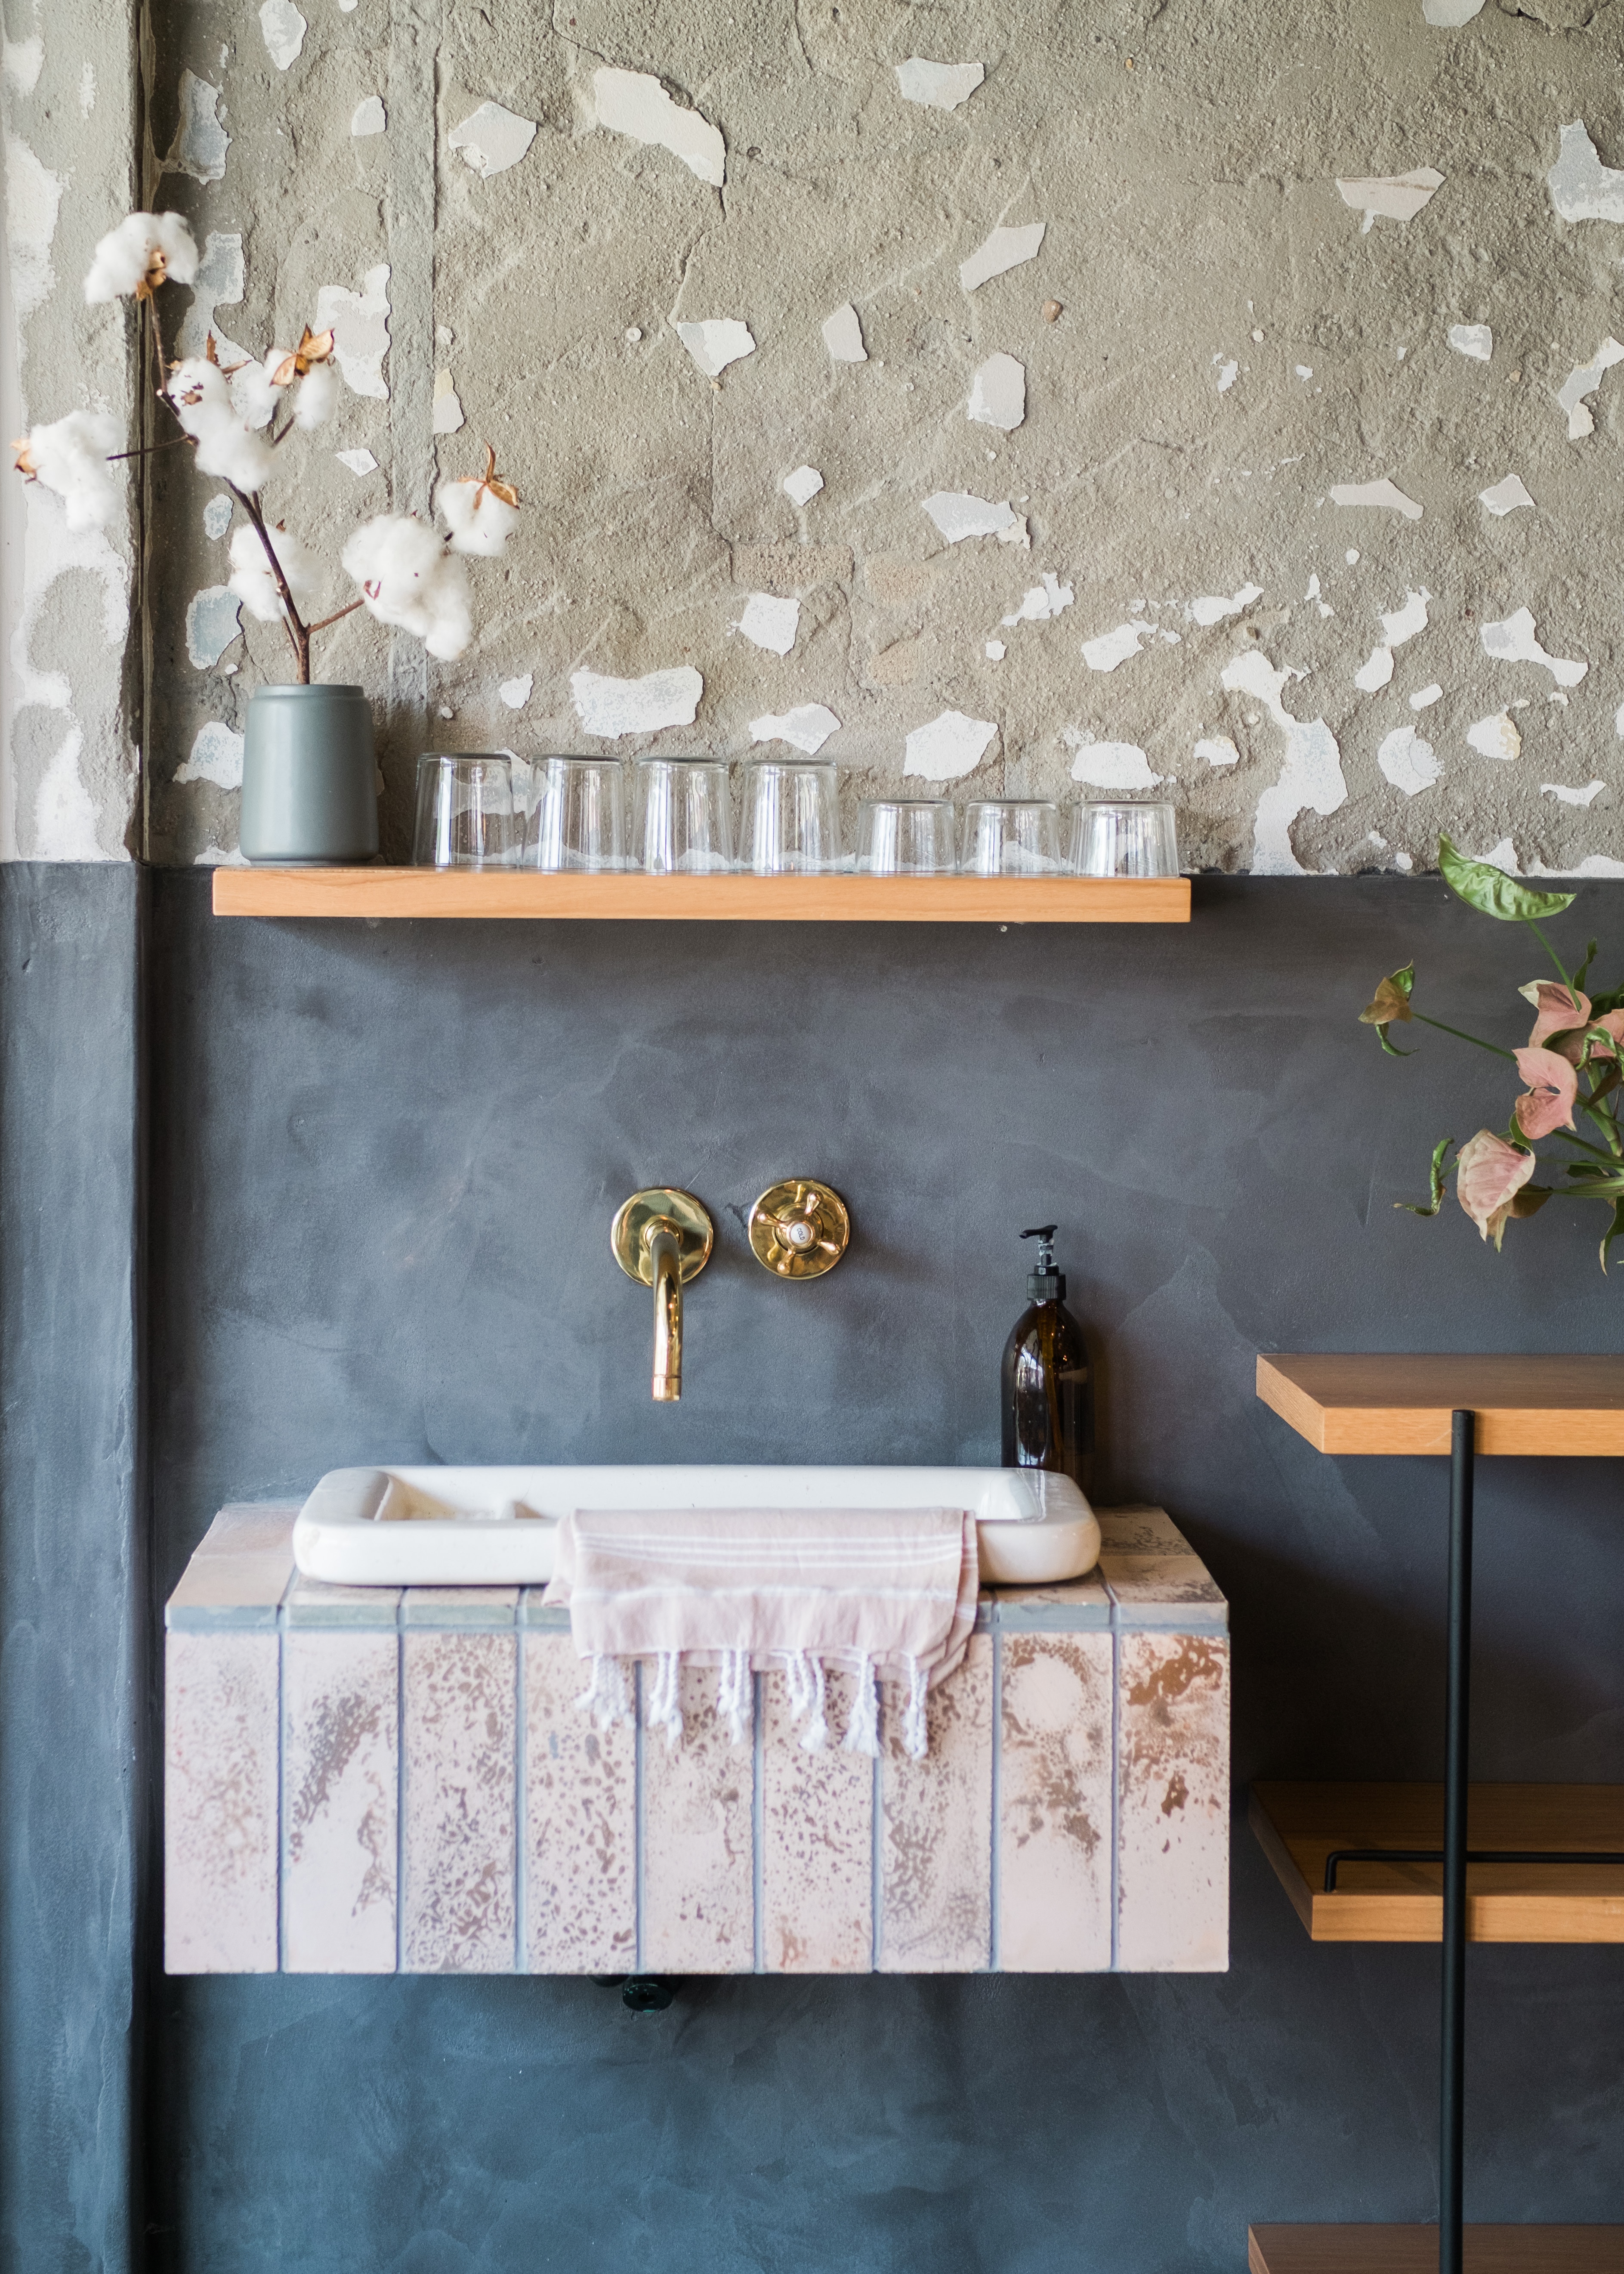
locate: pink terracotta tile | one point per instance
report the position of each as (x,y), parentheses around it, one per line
(244,1559)
(340,1776)
(219,1811)
(818,1842)
(698,1862)
(937,1829)
(581,1823)
(1173,1883)
(459,1729)
(1054,1805)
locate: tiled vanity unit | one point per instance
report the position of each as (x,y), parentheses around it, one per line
(370,1781)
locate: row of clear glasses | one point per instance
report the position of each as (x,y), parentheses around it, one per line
(472,814)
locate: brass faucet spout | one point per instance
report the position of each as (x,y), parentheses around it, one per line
(662,1241)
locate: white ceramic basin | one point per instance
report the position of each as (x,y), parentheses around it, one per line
(495,1527)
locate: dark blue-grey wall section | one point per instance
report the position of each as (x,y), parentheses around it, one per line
(383,1162)
(72,1614)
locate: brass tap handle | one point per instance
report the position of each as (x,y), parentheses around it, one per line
(800,1229)
(662,1236)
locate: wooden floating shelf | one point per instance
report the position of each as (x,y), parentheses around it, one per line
(1381,1405)
(1297,1826)
(1414,2249)
(512,892)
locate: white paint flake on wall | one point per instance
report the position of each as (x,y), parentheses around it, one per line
(1218,750)
(33,195)
(201,141)
(1475,340)
(492,139)
(1375,671)
(1496,736)
(1513,641)
(1042,604)
(1584,380)
(998,393)
(957,514)
(1390,197)
(1214,608)
(1383,495)
(217,518)
(23,61)
(1450,15)
(447,416)
(1423,697)
(770,621)
(1582,188)
(214,620)
(802,486)
(949,747)
(359,462)
(843,335)
(1408,762)
(216,756)
(613,707)
(1004,249)
(1312,773)
(219,283)
(361,321)
(65,814)
(994,651)
(369,117)
(515,693)
(1505,497)
(1108,648)
(715,343)
(1108,765)
(283,29)
(806,727)
(636,104)
(1229,372)
(1584,796)
(942,85)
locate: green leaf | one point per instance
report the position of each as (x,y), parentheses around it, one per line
(1604,1003)
(1612,1230)
(1390,1001)
(1583,973)
(1439,1153)
(1493,893)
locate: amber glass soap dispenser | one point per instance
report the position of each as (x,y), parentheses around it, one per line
(1048,1392)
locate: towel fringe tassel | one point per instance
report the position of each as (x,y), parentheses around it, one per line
(862,1732)
(663,1710)
(915,1742)
(606,1697)
(736,1698)
(806,1699)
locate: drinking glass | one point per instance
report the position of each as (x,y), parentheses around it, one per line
(791,817)
(466,814)
(577,815)
(1133,838)
(682,821)
(905,837)
(1011,837)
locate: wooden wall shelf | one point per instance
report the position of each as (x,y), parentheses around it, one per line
(1414,2249)
(371,891)
(1344,1404)
(1299,1825)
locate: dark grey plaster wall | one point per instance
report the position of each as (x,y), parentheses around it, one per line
(71,1614)
(383,1162)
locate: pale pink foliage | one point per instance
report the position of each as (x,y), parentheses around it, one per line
(1548,1102)
(1488,1177)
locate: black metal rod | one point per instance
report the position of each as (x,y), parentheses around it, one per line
(1457,1744)
(1339,1856)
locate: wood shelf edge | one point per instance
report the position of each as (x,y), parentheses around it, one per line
(510,894)
(1358,2249)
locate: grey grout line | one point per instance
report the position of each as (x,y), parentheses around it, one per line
(281,1788)
(876,1881)
(758,1767)
(637,1838)
(520,1807)
(995,1953)
(400,1784)
(1115,1779)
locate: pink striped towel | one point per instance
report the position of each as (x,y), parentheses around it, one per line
(875,1590)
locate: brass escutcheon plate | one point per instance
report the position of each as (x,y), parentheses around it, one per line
(800,1229)
(695,1232)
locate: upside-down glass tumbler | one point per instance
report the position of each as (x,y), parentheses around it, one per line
(1011,837)
(905,836)
(791,817)
(682,819)
(466,814)
(1124,838)
(577,815)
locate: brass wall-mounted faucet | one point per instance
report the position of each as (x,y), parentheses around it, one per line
(663,1237)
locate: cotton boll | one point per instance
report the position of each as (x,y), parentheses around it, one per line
(407,578)
(250,578)
(318,397)
(71,458)
(452,627)
(202,400)
(252,397)
(124,258)
(478,520)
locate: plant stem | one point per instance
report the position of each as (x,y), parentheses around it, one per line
(145,450)
(293,623)
(337,617)
(1550,951)
(1463,1037)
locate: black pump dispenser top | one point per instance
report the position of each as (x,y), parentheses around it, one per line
(1045,1284)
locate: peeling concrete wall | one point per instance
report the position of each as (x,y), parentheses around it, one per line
(69,682)
(1191,498)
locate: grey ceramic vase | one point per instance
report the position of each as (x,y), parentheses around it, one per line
(310,781)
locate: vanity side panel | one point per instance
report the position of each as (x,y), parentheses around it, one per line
(340,1786)
(220,1803)
(935,1861)
(1173,1869)
(1055,1804)
(698,1841)
(817,1840)
(459,1727)
(581,1823)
